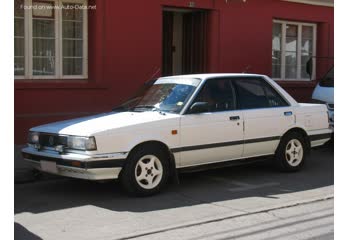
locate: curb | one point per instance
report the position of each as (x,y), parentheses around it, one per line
(218,219)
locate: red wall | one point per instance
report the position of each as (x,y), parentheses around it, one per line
(125,49)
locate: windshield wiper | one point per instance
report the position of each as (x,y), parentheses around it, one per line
(151,107)
(146,106)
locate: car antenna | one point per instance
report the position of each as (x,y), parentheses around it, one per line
(154,74)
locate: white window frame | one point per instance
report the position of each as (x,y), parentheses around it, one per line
(283,52)
(28,42)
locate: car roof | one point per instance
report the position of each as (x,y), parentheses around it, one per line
(214,75)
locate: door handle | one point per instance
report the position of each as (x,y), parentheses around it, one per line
(288,113)
(234,118)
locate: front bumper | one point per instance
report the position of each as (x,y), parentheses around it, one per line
(91,167)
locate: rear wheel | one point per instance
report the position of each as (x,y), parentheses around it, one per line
(290,155)
(146,172)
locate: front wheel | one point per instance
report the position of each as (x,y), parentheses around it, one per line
(290,155)
(146,172)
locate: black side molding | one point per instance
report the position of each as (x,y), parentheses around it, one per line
(320,136)
(224,144)
(228,163)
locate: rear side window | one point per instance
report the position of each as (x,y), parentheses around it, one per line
(256,93)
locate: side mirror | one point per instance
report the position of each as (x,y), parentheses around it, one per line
(309,67)
(199,107)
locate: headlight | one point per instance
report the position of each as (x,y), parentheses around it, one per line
(33,137)
(81,143)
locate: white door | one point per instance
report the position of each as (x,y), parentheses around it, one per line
(266,115)
(215,134)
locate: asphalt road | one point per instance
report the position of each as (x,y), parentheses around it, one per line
(246,202)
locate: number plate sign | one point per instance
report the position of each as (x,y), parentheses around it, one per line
(47,166)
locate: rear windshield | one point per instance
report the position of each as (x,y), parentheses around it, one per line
(328,80)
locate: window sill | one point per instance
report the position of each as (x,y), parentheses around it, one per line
(57,84)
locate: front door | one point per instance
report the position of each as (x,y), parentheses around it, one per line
(184,41)
(214,135)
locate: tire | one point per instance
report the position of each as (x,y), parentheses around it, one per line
(146,171)
(291,152)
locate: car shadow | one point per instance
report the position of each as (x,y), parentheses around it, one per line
(21,233)
(217,185)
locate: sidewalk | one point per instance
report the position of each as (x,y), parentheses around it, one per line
(313,220)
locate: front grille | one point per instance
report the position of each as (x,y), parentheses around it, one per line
(51,140)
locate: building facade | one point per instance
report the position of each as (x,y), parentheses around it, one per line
(80,57)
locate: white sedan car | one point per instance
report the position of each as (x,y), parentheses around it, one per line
(180,123)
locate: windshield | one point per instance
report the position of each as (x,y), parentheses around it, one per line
(328,80)
(167,95)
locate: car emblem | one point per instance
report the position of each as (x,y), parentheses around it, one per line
(51,140)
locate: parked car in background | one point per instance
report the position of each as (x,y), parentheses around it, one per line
(324,93)
(182,123)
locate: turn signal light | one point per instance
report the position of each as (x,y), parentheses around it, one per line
(76,164)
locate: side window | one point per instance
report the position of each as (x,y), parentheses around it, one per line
(218,93)
(256,93)
(274,99)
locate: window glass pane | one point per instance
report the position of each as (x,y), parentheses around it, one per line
(72,48)
(19,37)
(19,65)
(44,47)
(277,36)
(43,65)
(43,28)
(291,51)
(276,57)
(305,57)
(276,50)
(72,29)
(72,12)
(19,47)
(291,44)
(307,32)
(250,93)
(19,8)
(276,71)
(19,27)
(72,42)
(291,71)
(306,49)
(291,30)
(304,73)
(44,42)
(72,66)
(43,9)
(291,58)
(218,93)
(306,45)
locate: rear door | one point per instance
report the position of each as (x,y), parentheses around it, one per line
(266,115)
(214,135)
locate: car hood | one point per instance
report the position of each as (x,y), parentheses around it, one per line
(91,125)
